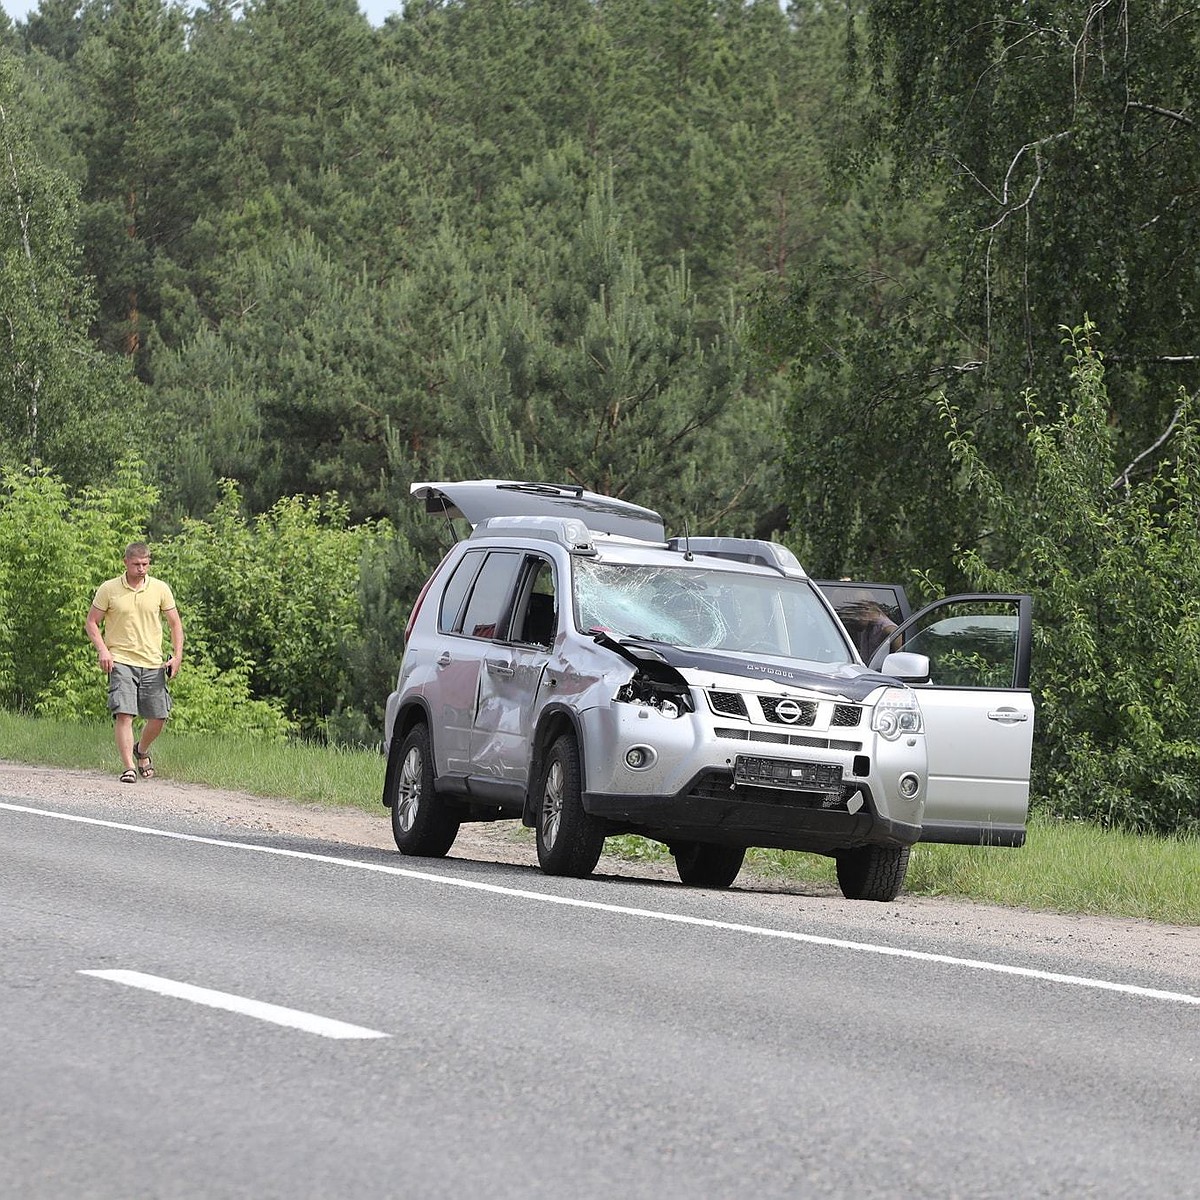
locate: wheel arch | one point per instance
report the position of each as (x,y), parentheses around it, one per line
(554,721)
(413,713)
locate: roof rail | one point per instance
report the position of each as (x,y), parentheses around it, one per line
(747,550)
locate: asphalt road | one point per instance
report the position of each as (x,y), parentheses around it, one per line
(512,1035)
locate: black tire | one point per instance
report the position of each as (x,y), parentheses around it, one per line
(703,865)
(568,840)
(872,872)
(422,823)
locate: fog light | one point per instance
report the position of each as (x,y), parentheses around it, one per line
(910,785)
(638,758)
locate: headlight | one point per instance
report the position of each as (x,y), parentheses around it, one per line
(897,714)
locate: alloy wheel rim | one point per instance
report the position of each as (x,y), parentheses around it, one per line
(552,802)
(408,794)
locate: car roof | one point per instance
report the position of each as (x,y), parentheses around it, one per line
(476,500)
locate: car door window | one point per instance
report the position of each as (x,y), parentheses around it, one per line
(491,595)
(536,616)
(970,641)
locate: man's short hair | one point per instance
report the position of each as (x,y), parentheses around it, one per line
(137,550)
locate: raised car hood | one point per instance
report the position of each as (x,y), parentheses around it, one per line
(663,663)
(476,500)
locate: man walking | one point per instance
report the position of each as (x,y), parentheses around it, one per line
(131,608)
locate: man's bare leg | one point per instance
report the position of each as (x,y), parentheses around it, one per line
(151,730)
(124,733)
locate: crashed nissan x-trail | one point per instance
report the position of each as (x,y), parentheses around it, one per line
(570,666)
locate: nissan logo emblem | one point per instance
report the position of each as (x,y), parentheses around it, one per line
(787,711)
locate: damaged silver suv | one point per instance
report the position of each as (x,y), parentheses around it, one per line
(570,666)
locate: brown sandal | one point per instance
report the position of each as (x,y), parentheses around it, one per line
(145,764)
(129,776)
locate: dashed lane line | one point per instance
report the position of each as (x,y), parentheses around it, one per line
(293,1018)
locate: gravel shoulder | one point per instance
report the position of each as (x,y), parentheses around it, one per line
(1133,944)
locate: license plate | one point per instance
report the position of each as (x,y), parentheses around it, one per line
(786,773)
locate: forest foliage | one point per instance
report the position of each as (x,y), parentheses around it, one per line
(796,270)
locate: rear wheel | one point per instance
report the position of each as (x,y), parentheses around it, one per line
(702,865)
(568,840)
(422,824)
(872,872)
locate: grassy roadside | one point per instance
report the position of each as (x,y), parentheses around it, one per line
(1064,866)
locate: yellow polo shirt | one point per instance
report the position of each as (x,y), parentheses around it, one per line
(133,630)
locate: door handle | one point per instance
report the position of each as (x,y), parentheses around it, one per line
(1008,716)
(444,659)
(496,667)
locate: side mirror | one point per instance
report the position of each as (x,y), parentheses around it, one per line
(908,668)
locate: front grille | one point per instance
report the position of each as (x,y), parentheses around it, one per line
(845,715)
(786,739)
(807,710)
(729,703)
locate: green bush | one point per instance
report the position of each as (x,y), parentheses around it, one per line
(275,598)
(1111,554)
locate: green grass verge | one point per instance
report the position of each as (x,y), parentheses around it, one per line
(293,771)
(1064,866)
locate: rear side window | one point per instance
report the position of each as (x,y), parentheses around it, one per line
(457,587)
(489,602)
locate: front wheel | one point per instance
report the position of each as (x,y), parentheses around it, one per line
(872,872)
(702,865)
(568,840)
(422,824)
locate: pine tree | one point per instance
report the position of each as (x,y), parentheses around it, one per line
(64,404)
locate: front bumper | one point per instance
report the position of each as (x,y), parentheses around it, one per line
(713,808)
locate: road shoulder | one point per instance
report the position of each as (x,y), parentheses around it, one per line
(1103,941)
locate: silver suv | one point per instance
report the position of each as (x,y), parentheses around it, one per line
(570,666)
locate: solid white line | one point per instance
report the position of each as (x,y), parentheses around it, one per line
(812,939)
(294,1018)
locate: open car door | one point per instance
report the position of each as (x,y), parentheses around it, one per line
(978,715)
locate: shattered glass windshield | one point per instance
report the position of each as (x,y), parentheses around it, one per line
(702,608)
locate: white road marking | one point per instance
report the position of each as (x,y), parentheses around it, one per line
(811,939)
(294,1018)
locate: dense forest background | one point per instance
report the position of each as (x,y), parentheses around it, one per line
(911,285)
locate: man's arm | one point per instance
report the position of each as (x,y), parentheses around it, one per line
(175,625)
(92,628)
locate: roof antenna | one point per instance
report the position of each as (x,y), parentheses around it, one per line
(687,546)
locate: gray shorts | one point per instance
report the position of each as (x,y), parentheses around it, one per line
(140,690)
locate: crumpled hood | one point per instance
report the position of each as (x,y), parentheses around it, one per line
(664,663)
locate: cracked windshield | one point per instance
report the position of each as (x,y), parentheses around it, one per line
(705,609)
